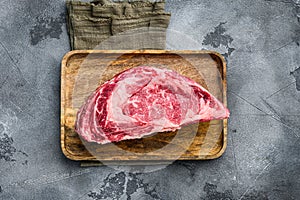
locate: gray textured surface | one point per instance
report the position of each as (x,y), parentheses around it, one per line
(260,40)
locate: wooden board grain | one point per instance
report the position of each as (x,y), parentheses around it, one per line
(82,71)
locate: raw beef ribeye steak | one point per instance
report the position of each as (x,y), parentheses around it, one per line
(144,100)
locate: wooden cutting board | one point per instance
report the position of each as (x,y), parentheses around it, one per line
(82,71)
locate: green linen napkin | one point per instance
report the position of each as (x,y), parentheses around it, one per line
(90,24)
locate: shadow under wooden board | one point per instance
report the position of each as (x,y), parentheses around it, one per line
(82,71)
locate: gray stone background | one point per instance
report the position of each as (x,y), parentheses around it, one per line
(260,40)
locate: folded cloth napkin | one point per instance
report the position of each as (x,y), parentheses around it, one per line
(90,24)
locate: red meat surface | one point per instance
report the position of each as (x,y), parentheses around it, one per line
(142,101)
